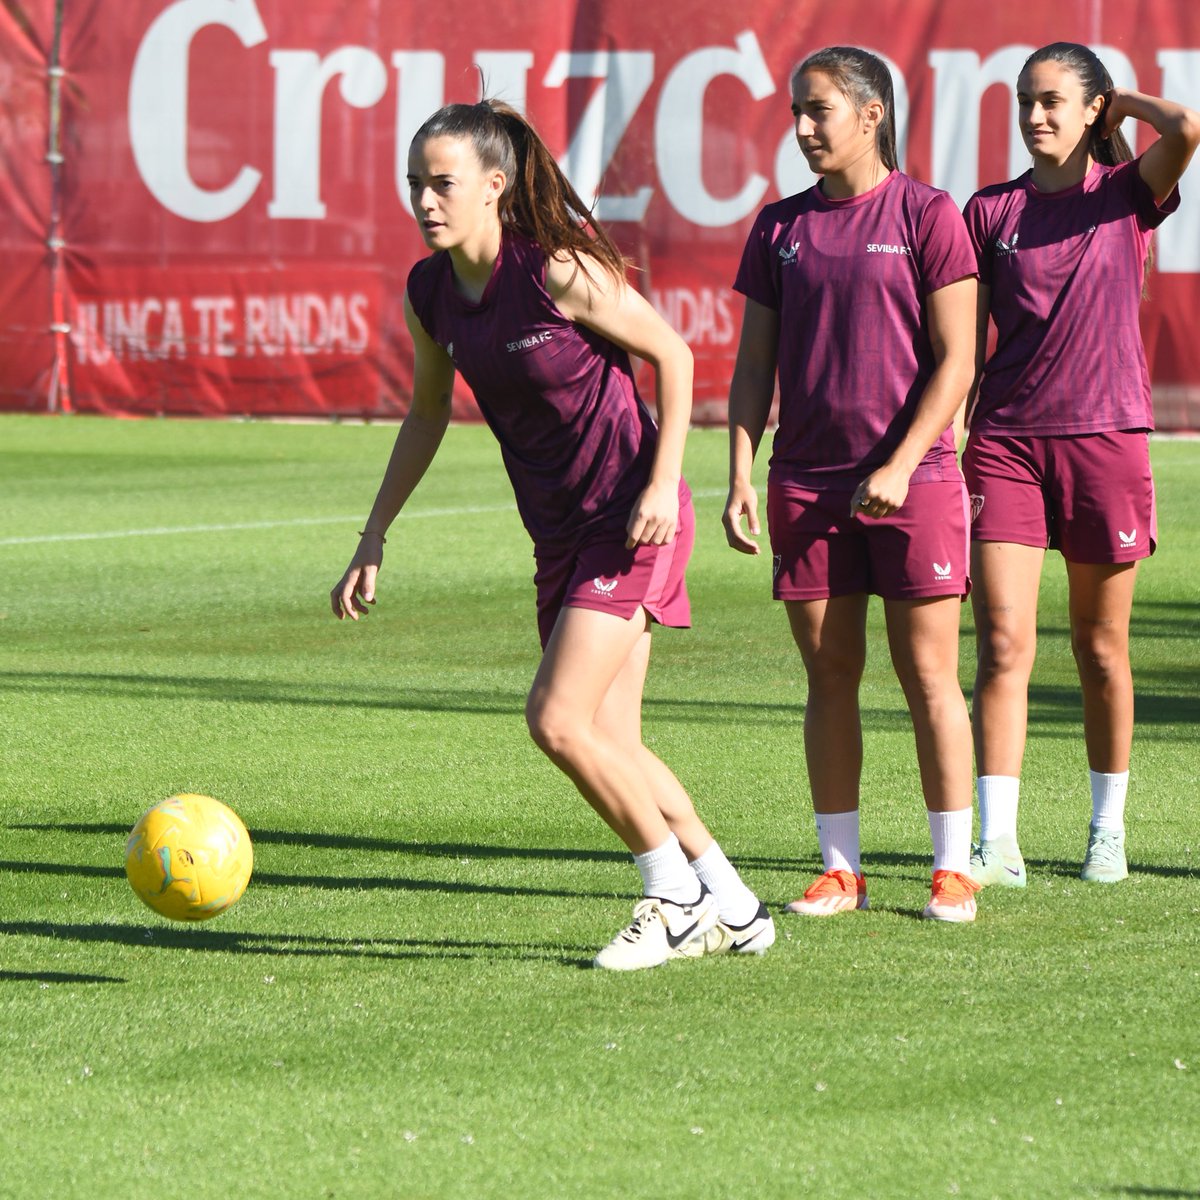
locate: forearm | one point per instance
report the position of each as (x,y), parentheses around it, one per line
(983,306)
(750,396)
(1165,117)
(940,404)
(673,402)
(962,414)
(416,445)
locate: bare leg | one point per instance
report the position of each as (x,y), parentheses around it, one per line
(923,637)
(573,717)
(1004,598)
(620,718)
(1101,602)
(831,636)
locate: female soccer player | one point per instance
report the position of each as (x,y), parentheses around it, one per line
(860,293)
(536,314)
(1058,453)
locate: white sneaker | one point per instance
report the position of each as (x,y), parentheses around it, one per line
(659,931)
(757,936)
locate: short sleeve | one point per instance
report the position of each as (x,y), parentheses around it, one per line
(946,253)
(419,287)
(975,216)
(1149,212)
(757,278)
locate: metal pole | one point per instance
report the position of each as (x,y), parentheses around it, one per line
(59,398)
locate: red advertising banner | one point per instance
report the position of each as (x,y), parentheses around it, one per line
(228,230)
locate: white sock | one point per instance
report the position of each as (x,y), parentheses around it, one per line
(736,903)
(951,833)
(1108,800)
(997,806)
(837,835)
(667,874)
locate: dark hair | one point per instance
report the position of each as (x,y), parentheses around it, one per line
(861,77)
(1096,81)
(538,199)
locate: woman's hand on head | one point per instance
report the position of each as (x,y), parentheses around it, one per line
(1110,117)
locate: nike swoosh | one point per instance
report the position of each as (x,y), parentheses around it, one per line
(1011,871)
(675,940)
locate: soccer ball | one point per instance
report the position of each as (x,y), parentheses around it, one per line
(189,857)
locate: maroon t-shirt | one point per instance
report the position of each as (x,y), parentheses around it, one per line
(1065,271)
(849,280)
(577,440)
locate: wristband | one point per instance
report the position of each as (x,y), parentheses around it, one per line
(373,533)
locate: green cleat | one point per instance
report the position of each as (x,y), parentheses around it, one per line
(998,863)
(1105,858)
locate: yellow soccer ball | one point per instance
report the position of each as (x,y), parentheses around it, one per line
(189,857)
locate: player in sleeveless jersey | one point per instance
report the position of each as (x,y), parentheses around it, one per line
(860,296)
(533,310)
(1058,452)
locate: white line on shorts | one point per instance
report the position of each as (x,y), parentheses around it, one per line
(234,527)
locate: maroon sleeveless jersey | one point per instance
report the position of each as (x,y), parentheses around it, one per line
(577,440)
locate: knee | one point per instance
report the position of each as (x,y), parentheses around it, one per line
(931,684)
(551,726)
(1001,650)
(833,671)
(1101,652)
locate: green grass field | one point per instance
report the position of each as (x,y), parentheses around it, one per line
(399,1006)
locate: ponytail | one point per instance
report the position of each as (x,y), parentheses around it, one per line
(538,200)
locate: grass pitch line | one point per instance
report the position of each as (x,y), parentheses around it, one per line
(235,527)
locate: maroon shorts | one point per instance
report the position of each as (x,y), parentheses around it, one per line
(1090,495)
(822,551)
(604,575)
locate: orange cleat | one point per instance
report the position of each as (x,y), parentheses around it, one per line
(833,892)
(952,897)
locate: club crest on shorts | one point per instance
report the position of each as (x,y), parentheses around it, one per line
(976,507)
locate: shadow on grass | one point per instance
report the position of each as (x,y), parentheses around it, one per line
(1061,707)
(893,864)
(398,699)
(258,691)
(1135,1190)
(351,883)
(1172,619)
(193,937)
(55,977)
(1055,710)
(454,850)
(338,841)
